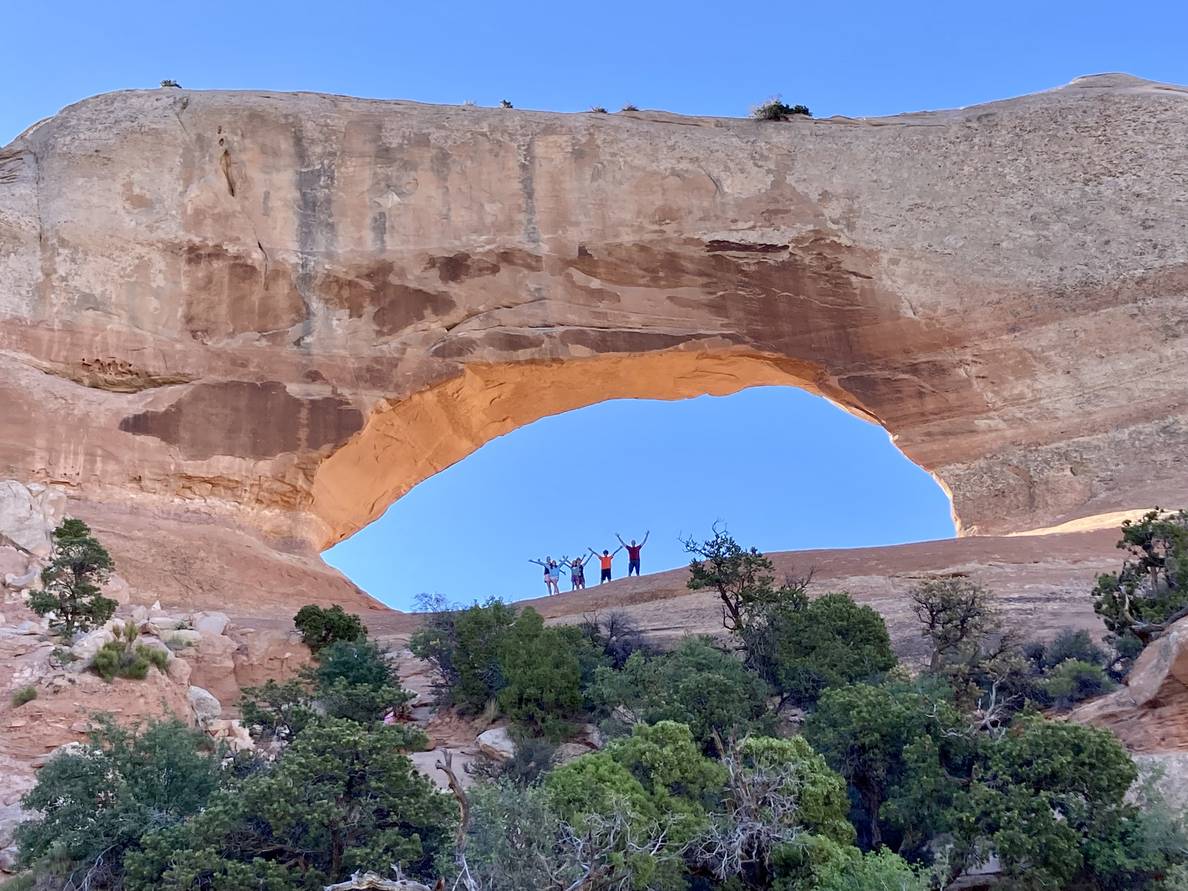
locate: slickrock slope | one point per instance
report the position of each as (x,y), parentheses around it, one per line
(236,326)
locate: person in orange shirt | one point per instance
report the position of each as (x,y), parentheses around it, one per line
(605,559)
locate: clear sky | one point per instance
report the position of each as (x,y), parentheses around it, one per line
(785,470)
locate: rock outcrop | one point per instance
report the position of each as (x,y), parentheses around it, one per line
(1150,713)
(235,326)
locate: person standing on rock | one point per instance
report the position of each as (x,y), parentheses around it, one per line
(605,559)
(577,572)
(633,550)
(552,574)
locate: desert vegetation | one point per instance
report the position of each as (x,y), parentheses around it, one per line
(793,752)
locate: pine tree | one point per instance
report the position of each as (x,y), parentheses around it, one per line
(70,584)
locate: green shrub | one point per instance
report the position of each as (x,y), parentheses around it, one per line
(92,806)
(1073,681)
(697,685)
(504,103)
(598,109)
(463,646)
(23,695)
(321,627)
(278,711)
(828,642)
(124,658)
(542,672)
(341,798)
(775,110)
(71,583)
(629,107)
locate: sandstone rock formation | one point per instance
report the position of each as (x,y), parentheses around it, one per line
(235,326)
(1150,713)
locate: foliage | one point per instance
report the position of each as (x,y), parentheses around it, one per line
(1073,681)
(170,83)
(532,759)
(321,627)
(824,643)
(696,684)
(1050,804)
(542,674)
(463,646)
(775,110)
(1150,591)
(277,711)
(644,799)
(354,680)
(504,103)
(341,798)
(880,870)
(71,582)
(23,695)
(125,658)
(93,805)
(629,107)
(956,616)
(1068,644)
(598,109)
(615,636)
(892,744)
(779,794)
(741,577)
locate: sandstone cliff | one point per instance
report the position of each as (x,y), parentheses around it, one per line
(253,320)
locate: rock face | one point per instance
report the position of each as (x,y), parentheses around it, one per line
(1149,714)
(239,325)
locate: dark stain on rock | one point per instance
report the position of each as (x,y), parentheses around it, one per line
(247,419)
(620,340)
(461,266)
(396,305)
(744,247)
(224,294)
(404,306)
(521,259)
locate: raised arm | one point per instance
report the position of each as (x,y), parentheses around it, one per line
(537,562)
(620,538)
(645,538)
(619,548)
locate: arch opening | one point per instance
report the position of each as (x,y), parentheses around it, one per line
(599,454)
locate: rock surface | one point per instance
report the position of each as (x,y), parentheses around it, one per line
(243,323)
(1150,713)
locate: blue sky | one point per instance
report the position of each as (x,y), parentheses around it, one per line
(785,470)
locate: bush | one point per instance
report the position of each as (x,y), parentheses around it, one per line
(23,695)
(615,636)
(697,685)
(321,627)
(71,583)
(1066,645)
(1073,681)
(828,642)
(775,110)
(93,805)
(629,107)
(463,646)
(124,658)
(340,799)
(542,674)
(598,109)
(1150,591)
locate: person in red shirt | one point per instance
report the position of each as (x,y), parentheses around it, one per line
(605,560)
(633,550)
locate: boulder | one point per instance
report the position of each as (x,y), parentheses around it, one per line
(211,623)
(206,708)
(86,646)
(179,671)
(497,744)
(29,514)
(182,638)
(18,582)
